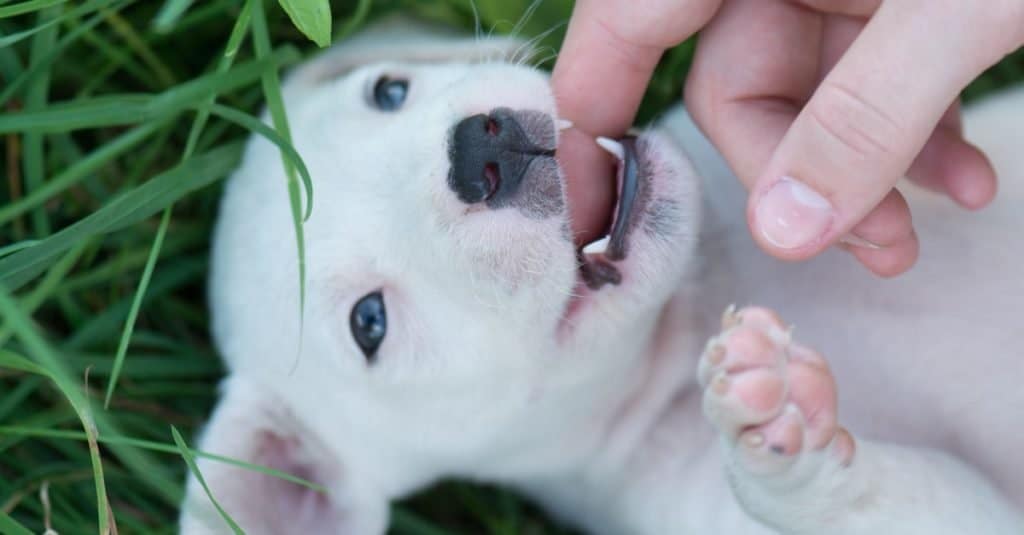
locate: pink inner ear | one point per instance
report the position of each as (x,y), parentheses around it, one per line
(282,506)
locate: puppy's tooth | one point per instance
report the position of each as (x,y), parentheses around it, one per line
(563,124)
(597,247)
(730,318)
(613,147)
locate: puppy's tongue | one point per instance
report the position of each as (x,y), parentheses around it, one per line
(590,181)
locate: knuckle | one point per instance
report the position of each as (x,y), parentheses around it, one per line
(863,128)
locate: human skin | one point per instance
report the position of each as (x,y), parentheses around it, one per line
(819,106)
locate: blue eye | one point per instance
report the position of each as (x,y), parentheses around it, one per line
(368,322)
(389,93)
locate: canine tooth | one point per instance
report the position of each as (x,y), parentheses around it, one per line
(597,247)
(613,147)
(563,124)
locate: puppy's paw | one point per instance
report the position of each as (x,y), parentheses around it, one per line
(772,400)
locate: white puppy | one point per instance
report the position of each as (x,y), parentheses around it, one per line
(452,330)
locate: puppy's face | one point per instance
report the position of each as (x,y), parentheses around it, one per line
(445,299)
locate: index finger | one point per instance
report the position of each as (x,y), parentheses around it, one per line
(610,51)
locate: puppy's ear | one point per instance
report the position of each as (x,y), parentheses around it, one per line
(404,39)
(248,426)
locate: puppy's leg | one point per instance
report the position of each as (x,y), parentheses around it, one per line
(794,468)
(250,427)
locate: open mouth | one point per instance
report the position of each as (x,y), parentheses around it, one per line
(597,258)
(599,261)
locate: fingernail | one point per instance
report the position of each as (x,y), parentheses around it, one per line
(791,215)
(857,241)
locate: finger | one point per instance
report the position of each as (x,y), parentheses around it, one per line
(754,66)
(750,108)
(609,53)
(607,58)
(878,241)
(864,125)
(589,184)
(948,164)
(885,241)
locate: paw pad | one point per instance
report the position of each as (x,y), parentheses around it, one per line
(770,397)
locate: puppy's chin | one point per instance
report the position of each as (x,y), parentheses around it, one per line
(633,274)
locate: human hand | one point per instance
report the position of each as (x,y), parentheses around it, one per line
(759,89)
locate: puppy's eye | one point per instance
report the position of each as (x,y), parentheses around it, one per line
(389,93)
(369,323)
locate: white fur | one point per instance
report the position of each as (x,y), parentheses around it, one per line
(599,420)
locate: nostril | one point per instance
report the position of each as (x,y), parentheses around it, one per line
(493,177)
(492,126)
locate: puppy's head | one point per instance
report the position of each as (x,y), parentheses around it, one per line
(446,304)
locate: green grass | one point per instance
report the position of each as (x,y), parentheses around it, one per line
(119,120)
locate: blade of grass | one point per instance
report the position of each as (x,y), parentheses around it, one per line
(200,14)
(48,365)
(45,62)
(356,20)
(311,17)
(230,51)
(151,445)
(17,395)
(275,102)
(15,247)
(186,454)
(54,369)
(169,14)
(234,41)
(80,170)
(11,526)
(113,110)
(288,152)
(133,312)
(139,45)
(37,94)
(53,277)
(81,9)
(117,58)
(28,7)
(131,259)
(104,325)
(131,207)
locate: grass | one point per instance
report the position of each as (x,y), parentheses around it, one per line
(120,118)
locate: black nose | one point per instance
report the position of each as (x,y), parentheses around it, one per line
(489,156)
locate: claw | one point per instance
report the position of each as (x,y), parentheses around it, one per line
(563,124)
(730,318)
